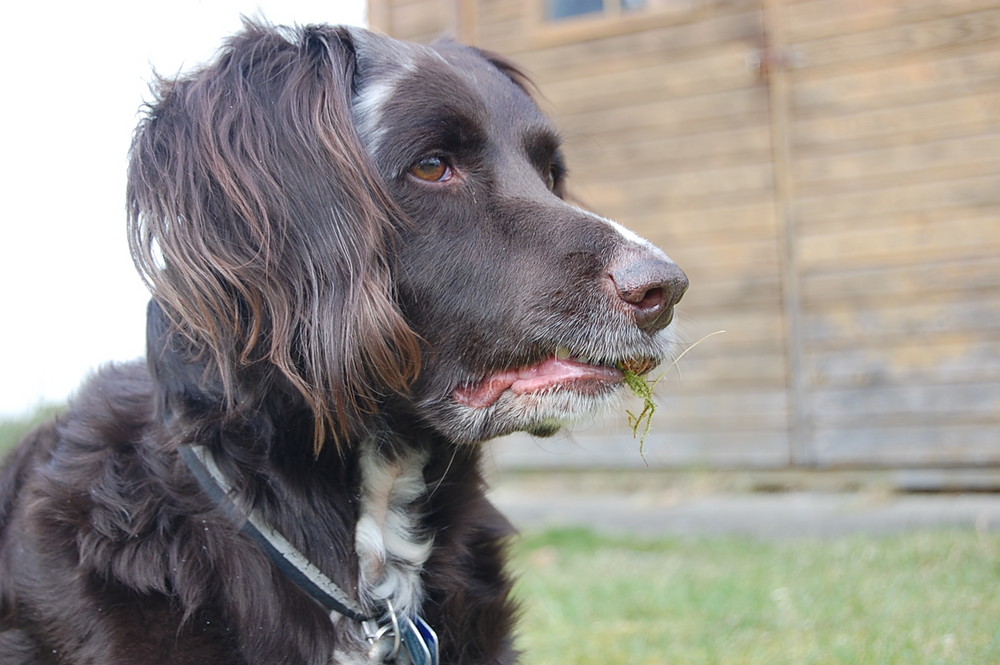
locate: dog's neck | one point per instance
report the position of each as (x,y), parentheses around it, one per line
(391,548)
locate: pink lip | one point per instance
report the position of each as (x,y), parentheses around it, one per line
(546,374)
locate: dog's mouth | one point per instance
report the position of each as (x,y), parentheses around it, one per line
(561,371)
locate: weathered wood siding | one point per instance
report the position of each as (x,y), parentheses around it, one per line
(828,174)
(895,143)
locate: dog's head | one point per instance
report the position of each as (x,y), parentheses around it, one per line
(367,219)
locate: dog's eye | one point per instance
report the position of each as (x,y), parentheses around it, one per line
(554,175)
(432,169)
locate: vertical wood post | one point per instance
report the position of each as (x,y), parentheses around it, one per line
(466,21)
(775,72)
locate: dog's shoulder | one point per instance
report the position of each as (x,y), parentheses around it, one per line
(87,480)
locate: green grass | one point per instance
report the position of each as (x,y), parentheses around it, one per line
(12,429)
(921,598)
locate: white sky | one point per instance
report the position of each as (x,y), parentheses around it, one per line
(73,76)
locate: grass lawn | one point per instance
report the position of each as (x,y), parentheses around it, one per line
(12,429)
(920,598)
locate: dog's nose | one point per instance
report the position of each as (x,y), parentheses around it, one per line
(650,286)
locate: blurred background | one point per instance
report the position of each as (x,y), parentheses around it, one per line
(819,481)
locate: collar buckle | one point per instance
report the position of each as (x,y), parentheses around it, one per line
(402,640)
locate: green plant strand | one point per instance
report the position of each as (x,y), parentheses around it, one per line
(643,389)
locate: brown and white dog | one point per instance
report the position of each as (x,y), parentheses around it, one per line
(362,265)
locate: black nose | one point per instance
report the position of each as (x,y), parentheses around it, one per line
(649,286)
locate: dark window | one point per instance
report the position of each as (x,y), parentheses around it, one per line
(559,9)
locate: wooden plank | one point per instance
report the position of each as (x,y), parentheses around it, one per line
(683,191)
(666,39)
(710,292)
(686,114)
(677,228)
(602,156)
(896,42)
(693,179)
(967,170)
(810,21)
(744,221)
(956,358)
(913,135)
(966,197)
(746,332)
(670,186)
(644,46)
(895,124)
(467,21)
(942,445)
(943,160)
(618,450)
(919,317)
(785,194)
(507,37)
(494,12)
(648,202)
(924,77)
(717,71)
(970,277)
(903,240)
(907,405)
(380,15)
(422,20)
(669,231)
(682,409)
(638,125)
(731,261)
(712,140)
(751,370)
(419,20)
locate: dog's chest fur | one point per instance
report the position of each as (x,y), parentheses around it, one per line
(390,546)
(388,539)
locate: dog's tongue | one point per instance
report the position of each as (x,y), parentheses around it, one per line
(548,373)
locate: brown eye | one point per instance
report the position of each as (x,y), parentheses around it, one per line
(432,169)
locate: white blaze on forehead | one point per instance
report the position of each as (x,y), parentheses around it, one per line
(382,65)
(368,107)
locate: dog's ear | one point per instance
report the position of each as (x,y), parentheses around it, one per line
(263,229)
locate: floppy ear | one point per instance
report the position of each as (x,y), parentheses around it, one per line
(263,229)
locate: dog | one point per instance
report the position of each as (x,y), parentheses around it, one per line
(363,263)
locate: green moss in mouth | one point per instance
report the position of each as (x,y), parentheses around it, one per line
(642,421)
(642,388)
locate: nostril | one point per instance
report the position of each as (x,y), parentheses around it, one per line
(644,298)
(650,286)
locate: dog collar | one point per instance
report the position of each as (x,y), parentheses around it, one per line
(289,560)
(387,632)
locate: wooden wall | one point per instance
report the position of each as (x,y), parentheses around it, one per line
(827,172)
(895,155)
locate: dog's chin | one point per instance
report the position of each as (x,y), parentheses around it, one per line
(541,397)
(541,413)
